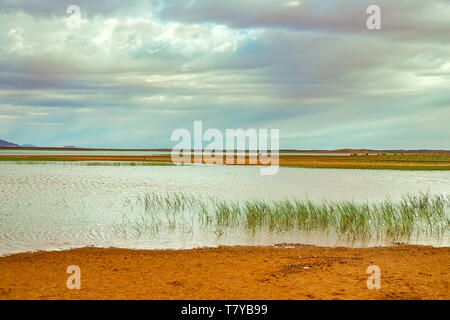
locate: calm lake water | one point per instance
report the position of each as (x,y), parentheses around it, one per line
(14,152)
(54,206)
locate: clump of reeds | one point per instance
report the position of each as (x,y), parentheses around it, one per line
(124,163)
(412,216)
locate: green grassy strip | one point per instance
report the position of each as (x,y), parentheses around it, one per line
(373,167)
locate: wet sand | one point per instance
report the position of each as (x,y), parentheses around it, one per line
(281,272)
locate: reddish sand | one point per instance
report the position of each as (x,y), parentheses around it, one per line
(299,272)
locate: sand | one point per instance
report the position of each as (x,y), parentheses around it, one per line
(280,272)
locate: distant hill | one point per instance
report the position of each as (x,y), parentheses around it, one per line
(6,144)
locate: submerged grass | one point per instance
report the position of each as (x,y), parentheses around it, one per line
(125,163)
(374,166)
(93,163)
(413,215)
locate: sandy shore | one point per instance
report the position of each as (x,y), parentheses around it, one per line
(299,272)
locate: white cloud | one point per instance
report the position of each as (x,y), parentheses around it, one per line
(294,3)
(309,67)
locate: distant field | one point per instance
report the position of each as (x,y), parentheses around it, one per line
(387,161)
(381,161)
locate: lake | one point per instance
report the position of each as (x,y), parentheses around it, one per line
(31,152)
(58,205)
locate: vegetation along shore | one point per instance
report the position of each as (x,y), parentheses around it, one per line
(366,161)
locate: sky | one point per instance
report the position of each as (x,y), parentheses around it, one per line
(135,71)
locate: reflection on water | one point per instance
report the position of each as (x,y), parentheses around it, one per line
(55,206)
(21,152)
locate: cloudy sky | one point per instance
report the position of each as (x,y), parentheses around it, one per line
(134,71)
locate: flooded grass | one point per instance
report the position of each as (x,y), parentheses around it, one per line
(414,215)
(372,166)
(125,163)
(94,163)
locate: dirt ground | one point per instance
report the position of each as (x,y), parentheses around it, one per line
(280,272)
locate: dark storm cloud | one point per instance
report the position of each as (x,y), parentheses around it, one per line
(405,19)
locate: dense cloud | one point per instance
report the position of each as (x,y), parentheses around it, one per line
(136,70)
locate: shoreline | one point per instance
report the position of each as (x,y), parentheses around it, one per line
(285,271)
(436,162)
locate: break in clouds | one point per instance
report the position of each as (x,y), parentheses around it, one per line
(137,70)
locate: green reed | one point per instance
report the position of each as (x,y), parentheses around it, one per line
(413,215)
(118,163)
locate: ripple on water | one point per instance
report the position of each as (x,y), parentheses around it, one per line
(54,205)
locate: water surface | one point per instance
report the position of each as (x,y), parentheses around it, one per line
(34,152)
(54,206)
